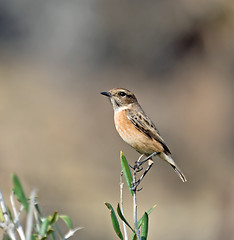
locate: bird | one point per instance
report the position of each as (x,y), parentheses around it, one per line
(137,129)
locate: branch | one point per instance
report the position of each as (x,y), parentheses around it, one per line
(135,184)
(17,223)
(135,206)
(121,205)
(30,216)
(7,225)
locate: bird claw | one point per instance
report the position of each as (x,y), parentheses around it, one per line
(135,185)
(136,167)
(139,169)
(132,167)
(139,189)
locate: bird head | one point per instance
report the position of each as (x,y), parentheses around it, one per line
(120,97)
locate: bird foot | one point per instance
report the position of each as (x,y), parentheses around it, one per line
(135,185)
(136,167)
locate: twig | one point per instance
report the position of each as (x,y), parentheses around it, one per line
(135,184)
(121,205)
(30,216)
(17,223)
(135,207)
(7,225)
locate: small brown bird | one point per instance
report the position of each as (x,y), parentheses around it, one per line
(136,128)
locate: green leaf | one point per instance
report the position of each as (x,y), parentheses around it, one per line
(37,208)
(58,231)
(144,227)
(44,227)
(10,214)
(134,237)
(123,218)
(53,236)
(6,237)
(67,220)
(1,216)
(139,223)
(151,209)
(115,222)
(54,218)
(50,231)
(126,171)
(33,237)
(19,192)
(38,215)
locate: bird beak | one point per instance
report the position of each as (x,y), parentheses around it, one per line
(106,94)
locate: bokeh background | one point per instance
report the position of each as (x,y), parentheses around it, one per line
(57,131)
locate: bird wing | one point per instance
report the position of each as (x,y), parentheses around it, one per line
(144,124)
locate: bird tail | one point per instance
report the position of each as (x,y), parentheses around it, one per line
(168,159)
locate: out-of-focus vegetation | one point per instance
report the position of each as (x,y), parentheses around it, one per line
(57,132)
(37,226)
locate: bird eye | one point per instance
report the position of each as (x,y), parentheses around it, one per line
(122,94)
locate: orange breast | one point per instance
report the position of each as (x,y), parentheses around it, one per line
(134,137)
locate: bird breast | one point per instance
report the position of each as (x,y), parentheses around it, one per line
(135,138)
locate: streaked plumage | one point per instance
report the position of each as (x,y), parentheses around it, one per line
(136,128)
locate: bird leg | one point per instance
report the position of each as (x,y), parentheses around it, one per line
(138,163)
(137,168)
(139,159)
(135,184)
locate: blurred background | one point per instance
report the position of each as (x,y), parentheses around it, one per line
(57,131)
